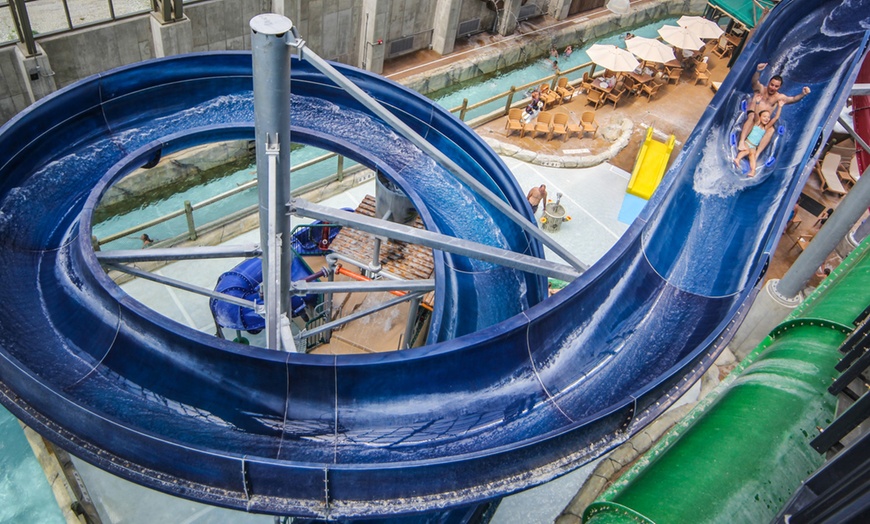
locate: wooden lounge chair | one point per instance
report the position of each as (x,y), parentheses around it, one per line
(560,126)
(702,74)
(564,89)
(549,96)
(849,175)
(514,122)
(544,124)
(827,171)
(650,90)
(587,120)
(595,98)
(615,96)
(723,47)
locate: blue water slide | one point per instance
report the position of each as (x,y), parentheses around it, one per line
(516,391)
(243,281)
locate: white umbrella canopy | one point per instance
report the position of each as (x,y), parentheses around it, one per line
(680,37)
(612,57)
(650,49)
(700,26)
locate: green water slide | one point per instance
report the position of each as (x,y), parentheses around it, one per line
(742,452)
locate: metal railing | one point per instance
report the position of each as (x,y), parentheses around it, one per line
(189,209)
(463,110)
(22,20)
(193,231)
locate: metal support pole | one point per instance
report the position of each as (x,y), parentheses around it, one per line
(837,226)
(272,270)
(22,26)
(376,257)
(423,237)
(271,72)
(411,322)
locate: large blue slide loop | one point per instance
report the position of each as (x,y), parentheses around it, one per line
(536,392)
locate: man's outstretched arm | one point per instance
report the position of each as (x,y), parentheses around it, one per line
(796,98)
(756,83)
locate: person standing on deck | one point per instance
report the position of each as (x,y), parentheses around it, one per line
(536,195)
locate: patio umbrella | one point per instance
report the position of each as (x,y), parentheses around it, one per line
(700,26)
(680,37)
(612,57)
(650,49)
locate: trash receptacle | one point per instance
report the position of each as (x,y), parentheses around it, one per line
(554,215)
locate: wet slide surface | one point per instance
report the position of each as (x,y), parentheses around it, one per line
(535,393)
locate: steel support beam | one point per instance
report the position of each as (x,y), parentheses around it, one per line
(167,281)
(850,209)
(177,253)
(403,129)
(851,130)
(422,237)
(372,286)
(329,326)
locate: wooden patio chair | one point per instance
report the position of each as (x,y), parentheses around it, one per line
(587,120)
(828,178)
(573,129)
(802,241)
(702,74)
(544,124)
(673,73)
(564,89)
(650,90)
(586,83)
(514,122)
(595,98)
(560,126)
(615,96)
(549,96)
(631,85)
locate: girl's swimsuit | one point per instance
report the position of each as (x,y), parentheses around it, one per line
(755,136)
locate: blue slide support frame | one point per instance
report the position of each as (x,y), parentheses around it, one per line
(517,389)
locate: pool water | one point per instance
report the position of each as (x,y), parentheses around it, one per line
(25,496)
(178,225)
(499,82)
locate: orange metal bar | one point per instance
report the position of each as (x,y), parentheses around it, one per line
(362,278)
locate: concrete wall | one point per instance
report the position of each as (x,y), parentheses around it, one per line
(410,18)
(475,9)
(79,54)
(343,30)
(13,92)
(332,28)
(538,46)
(223,25)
